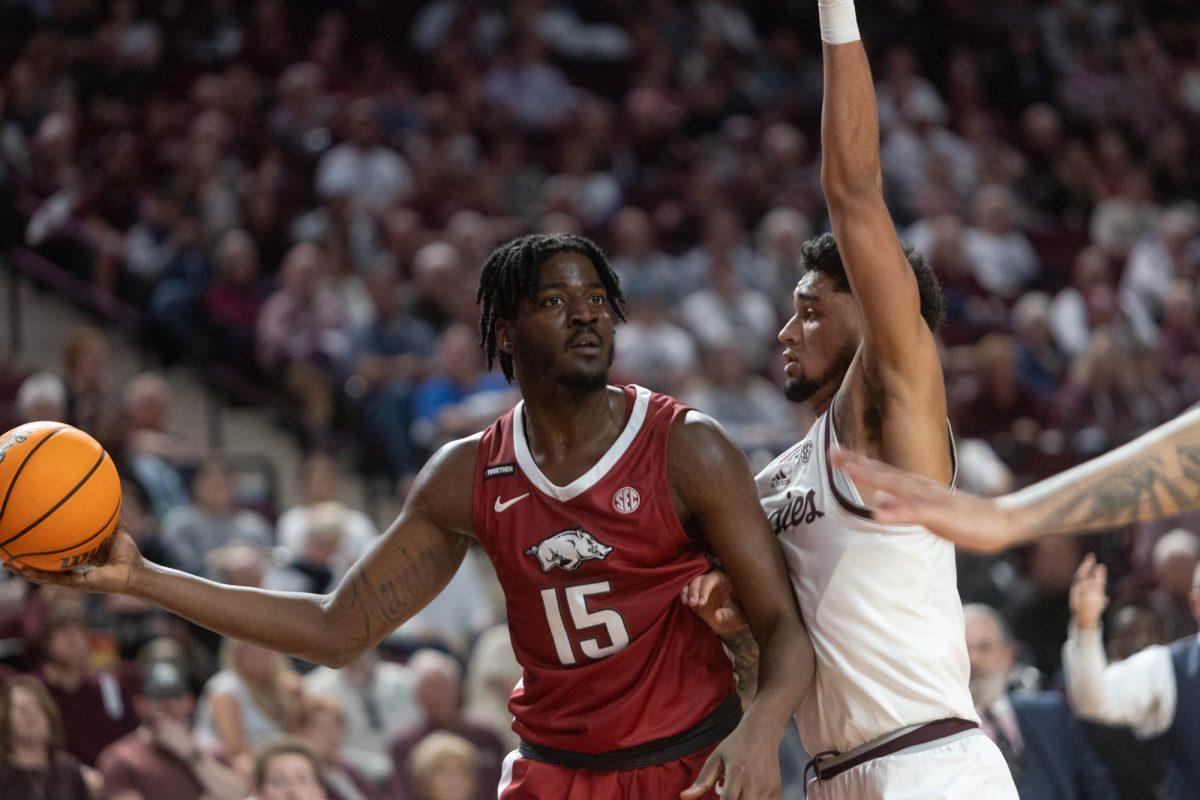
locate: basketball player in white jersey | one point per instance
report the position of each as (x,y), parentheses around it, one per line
(889,714)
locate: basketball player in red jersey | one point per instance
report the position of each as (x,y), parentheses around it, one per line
(596,504)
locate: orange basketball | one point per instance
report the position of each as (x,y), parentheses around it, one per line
(60,497)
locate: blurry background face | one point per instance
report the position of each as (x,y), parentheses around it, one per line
(440,696)
(320,479)
(452,778)
(991,657)
(68,645)
(1132,630)
(290,776)
(213,488)
(325,732)
(255,663)
(28,722)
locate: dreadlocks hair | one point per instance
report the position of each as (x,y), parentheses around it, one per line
(512,272)
(820,254)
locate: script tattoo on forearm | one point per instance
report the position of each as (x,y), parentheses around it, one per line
(380,606)
(744,650)
(1163,482)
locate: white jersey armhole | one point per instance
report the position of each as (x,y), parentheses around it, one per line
(843,488)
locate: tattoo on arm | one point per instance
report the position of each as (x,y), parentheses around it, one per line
(377,607)
(1163,481)
(744,649)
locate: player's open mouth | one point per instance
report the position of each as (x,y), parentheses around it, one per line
(586,344)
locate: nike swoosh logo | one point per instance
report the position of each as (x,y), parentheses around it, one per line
(503,506)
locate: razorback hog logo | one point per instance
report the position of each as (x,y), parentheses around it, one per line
(568,549)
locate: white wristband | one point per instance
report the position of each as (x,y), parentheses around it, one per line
(839,23)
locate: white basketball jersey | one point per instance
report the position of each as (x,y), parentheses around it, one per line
(880,602)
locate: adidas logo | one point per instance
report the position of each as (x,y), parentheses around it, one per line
(779,479)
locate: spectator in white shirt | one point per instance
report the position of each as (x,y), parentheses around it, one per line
(728,312)
(1002,258)
(319,488)
(213,520)
(373,176)
(902,82)
(492,674)
(723,243)
(378,699)
(529,87)
(1156,692)
(651,350)
(781,234)
(643,268)
(1156,261)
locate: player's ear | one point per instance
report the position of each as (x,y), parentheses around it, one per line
(504,336)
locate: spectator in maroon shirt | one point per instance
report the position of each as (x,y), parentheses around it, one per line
(33,765)
(96,709)
(1180,342)
(162,758)
(1104,398)
(999,403)
(439,693)
(302,332)
(234,298)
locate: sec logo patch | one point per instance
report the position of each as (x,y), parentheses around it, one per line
(626,500)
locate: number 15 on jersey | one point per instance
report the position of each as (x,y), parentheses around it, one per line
(581,618)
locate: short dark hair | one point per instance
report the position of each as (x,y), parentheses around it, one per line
(820,254)
(511,272)
(283,747)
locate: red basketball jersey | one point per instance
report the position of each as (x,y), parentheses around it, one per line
(592,574)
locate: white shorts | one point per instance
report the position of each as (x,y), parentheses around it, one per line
(966,767)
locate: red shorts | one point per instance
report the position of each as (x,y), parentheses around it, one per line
(525,779)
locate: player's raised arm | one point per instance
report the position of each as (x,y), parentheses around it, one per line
(1156,475)
(898,342)
(713,482)
(407,566)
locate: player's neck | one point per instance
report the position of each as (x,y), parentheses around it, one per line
(557,425)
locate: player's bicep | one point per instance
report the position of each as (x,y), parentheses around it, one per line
(714,481)
(414,559)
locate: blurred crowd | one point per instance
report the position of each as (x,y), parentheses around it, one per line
(303,193)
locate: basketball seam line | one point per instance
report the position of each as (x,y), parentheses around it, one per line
(57,505)
(111,516)
(21,467)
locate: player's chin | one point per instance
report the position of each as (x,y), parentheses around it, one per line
(586,377)
(799,389)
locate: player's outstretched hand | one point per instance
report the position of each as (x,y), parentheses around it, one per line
(970,522)
(746,764)
(110,571)
(711,596)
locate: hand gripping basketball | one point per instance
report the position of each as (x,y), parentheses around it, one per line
(111,570)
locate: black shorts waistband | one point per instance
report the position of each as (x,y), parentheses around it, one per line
(710,730)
